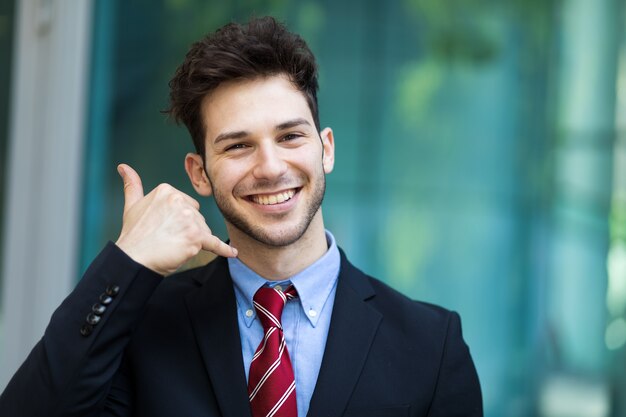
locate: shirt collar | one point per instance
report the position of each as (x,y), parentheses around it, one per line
(314,284)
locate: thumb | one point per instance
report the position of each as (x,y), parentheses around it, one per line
(133,190)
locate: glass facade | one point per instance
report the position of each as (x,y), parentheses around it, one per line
(475,156)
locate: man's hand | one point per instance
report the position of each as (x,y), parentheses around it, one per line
(163,229)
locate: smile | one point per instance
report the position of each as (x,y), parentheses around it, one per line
(271,199)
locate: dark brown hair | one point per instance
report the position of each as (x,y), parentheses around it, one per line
(263,47)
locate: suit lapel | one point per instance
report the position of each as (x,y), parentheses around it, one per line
(352,329)
(213,313)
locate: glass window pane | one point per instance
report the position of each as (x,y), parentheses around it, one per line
(6,48)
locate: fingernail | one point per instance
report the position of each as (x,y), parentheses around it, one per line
(235,251)
(120,170)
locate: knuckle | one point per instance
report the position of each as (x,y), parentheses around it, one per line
(187,213)
(191,233)
(193,250)
(194,233)
(163,190)
(163,187)
(174,198)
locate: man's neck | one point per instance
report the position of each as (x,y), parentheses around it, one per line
(279,263)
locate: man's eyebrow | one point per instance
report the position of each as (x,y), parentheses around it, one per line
(239,134)
(292,123)
(230,135)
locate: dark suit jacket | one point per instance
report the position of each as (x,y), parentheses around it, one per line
(171,348)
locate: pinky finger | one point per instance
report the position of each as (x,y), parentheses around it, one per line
(213,244)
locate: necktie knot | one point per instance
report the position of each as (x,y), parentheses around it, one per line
(269,304)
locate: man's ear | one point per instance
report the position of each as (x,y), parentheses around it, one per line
(328,142)
(194,165)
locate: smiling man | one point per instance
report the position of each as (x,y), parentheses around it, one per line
(280,323)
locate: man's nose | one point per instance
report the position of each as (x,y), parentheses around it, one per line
(269,162)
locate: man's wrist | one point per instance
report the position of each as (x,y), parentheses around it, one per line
(128,251)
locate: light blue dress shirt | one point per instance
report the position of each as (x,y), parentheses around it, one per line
(305,320)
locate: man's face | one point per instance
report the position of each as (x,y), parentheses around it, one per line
(264,159)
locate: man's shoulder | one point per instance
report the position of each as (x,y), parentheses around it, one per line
(184,281)
(172,304)
(392,301)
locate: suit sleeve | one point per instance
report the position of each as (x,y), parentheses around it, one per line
(70,370)
(458,391)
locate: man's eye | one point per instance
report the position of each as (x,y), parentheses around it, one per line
(291,136)
(236,146)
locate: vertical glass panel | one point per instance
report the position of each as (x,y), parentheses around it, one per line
(6,48)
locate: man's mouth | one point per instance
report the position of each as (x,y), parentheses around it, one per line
(275,198)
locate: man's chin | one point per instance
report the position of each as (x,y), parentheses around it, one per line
(274,238)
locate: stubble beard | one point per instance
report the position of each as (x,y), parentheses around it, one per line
(259,233)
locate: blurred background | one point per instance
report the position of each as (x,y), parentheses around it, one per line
(481,165)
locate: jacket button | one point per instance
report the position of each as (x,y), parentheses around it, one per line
(105,299)
(98,309)
(86,329)
(93,318)
(112,290)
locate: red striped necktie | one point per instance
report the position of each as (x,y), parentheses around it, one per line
(271,384)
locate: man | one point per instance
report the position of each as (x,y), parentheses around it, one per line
(280,324)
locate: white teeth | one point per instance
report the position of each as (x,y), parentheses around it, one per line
(273,198)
